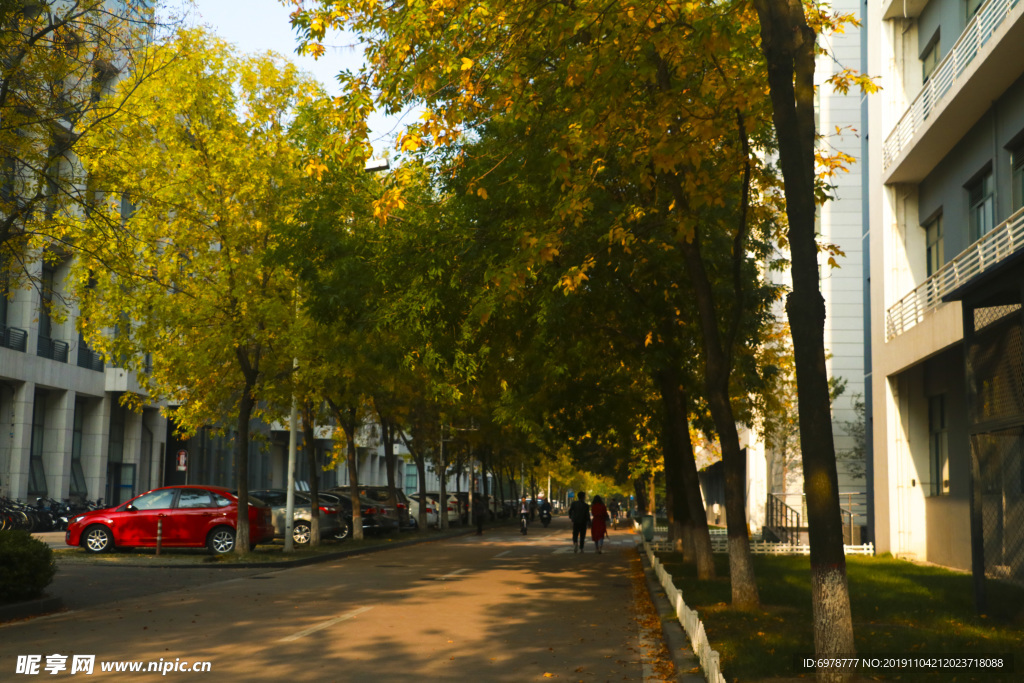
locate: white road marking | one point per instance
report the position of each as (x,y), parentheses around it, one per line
(325,624)
(454,573)
(562,551)
(500,555)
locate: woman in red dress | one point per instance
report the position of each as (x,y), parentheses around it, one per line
(598,525)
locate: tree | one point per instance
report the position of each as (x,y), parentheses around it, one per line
(646,107)
(788,39)
(196,183)
(59,60)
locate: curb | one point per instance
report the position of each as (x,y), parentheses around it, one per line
(283,564)
(30,608)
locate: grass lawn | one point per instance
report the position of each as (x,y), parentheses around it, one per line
(899,608)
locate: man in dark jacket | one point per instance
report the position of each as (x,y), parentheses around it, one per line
(579,513)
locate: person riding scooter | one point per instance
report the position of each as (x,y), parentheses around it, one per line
(545,512)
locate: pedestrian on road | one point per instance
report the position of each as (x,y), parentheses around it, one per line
(524,515)
(479,510)
(613,511)
(599,523)
(579,513)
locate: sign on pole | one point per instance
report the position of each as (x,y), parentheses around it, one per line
(182,460)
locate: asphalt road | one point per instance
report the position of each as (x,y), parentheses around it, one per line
(497,607)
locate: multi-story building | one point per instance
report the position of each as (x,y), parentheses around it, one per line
(946,183)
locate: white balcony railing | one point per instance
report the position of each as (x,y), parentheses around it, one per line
(985,254)
(947,74)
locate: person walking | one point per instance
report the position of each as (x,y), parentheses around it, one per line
(598,523)
(524,515)
(579,513)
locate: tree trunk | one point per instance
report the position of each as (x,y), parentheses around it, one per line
(788,45)
(309,446)
(387,433)
(717,370)
(681,471)
(245,408)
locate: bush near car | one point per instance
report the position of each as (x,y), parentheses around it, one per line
(26,566)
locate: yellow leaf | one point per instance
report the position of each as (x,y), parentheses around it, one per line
(467,64)
(650,336)
(482,193)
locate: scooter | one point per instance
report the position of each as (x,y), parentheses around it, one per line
(545,517)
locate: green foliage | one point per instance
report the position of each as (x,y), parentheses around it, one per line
(26,566)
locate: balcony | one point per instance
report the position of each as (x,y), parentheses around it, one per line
(984,256)
(89,359)
(13,338)
(986,59)
(54,349)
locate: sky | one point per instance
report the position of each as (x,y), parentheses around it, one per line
(261,25)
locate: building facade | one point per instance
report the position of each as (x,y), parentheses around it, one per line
(946,234)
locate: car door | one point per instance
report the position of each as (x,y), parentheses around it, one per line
(193,517)
(137,524)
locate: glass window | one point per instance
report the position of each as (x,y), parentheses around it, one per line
(930,60)
(37,471)
(220,501)
(935,248)
(938,445)
(972,7)
(195,498)
(982,216)
(78,487)
(156,500)
(1017,178)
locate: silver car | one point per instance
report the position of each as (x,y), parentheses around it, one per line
(302,530)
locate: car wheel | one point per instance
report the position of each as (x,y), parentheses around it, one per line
(97,539)
(221,540)
(345,532)
(301,532)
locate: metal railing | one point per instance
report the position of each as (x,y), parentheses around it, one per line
(947,74)
(14,338)
(54,349)
(992,249)
(782,520)
(89,359)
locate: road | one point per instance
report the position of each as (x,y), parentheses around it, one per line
(497,607)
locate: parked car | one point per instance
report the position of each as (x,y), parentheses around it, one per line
(386,517)
(453,506)
(414,508)
(302,515)
(373,520)
(382,495)
(188,517)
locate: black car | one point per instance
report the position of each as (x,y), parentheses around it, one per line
(382,495)
(375,516)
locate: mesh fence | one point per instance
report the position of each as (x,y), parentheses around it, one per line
(996,387)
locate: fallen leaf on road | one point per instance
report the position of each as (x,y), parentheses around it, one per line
(550,675)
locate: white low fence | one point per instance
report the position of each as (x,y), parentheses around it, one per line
(709,658)
(721,545)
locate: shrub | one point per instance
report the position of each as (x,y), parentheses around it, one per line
(26,566)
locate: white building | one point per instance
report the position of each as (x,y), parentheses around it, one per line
(946,179)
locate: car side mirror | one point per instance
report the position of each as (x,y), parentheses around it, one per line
(130,508)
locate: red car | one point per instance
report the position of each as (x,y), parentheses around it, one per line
(192,516)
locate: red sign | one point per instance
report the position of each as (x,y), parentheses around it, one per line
(182,460)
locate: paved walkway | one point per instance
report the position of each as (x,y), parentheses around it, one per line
(497,607)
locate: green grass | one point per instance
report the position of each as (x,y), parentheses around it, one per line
(899,608)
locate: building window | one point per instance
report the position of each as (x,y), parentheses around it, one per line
(982,203)
(37,470)
(935,249)
(938,445)
(930,60)
(972,7)
(78,487)
(1017,178)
